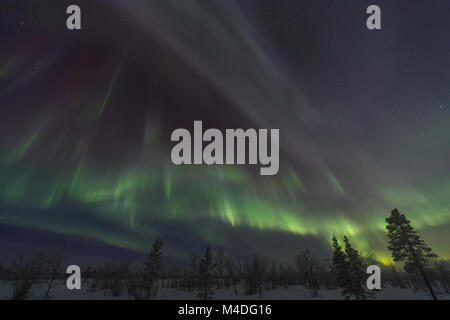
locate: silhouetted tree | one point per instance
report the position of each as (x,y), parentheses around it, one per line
(356,271)
(233,274)
(283,276)
(443,274)
(113,275)
(153,267)
(350,270)
(394,277)
(339,262)
(205,275)
(254,274)
(148,285)
(308,270)
(52,269)
(26,275)
(220,260)
(407,246)
(274,278)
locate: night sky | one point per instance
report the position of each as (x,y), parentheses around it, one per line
(86,118)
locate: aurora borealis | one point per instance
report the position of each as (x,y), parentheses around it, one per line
(364,119)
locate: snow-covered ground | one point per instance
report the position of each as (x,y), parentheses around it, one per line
(60,292)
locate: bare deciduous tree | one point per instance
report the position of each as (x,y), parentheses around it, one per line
(114,273)
(254,273)
(308,269)
(51,271)
(26,275)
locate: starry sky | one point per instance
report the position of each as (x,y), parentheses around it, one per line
(86,118)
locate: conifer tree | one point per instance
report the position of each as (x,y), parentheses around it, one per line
(205,275)
(356,271)
(407,246)
(153,267)
(350,270)
(339,262)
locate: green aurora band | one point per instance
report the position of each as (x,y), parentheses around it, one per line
(122,195)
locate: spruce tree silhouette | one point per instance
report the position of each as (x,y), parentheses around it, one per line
(350,270)
(153,266)
(205,275)
(407,246)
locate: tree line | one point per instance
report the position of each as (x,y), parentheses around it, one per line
(204,274)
